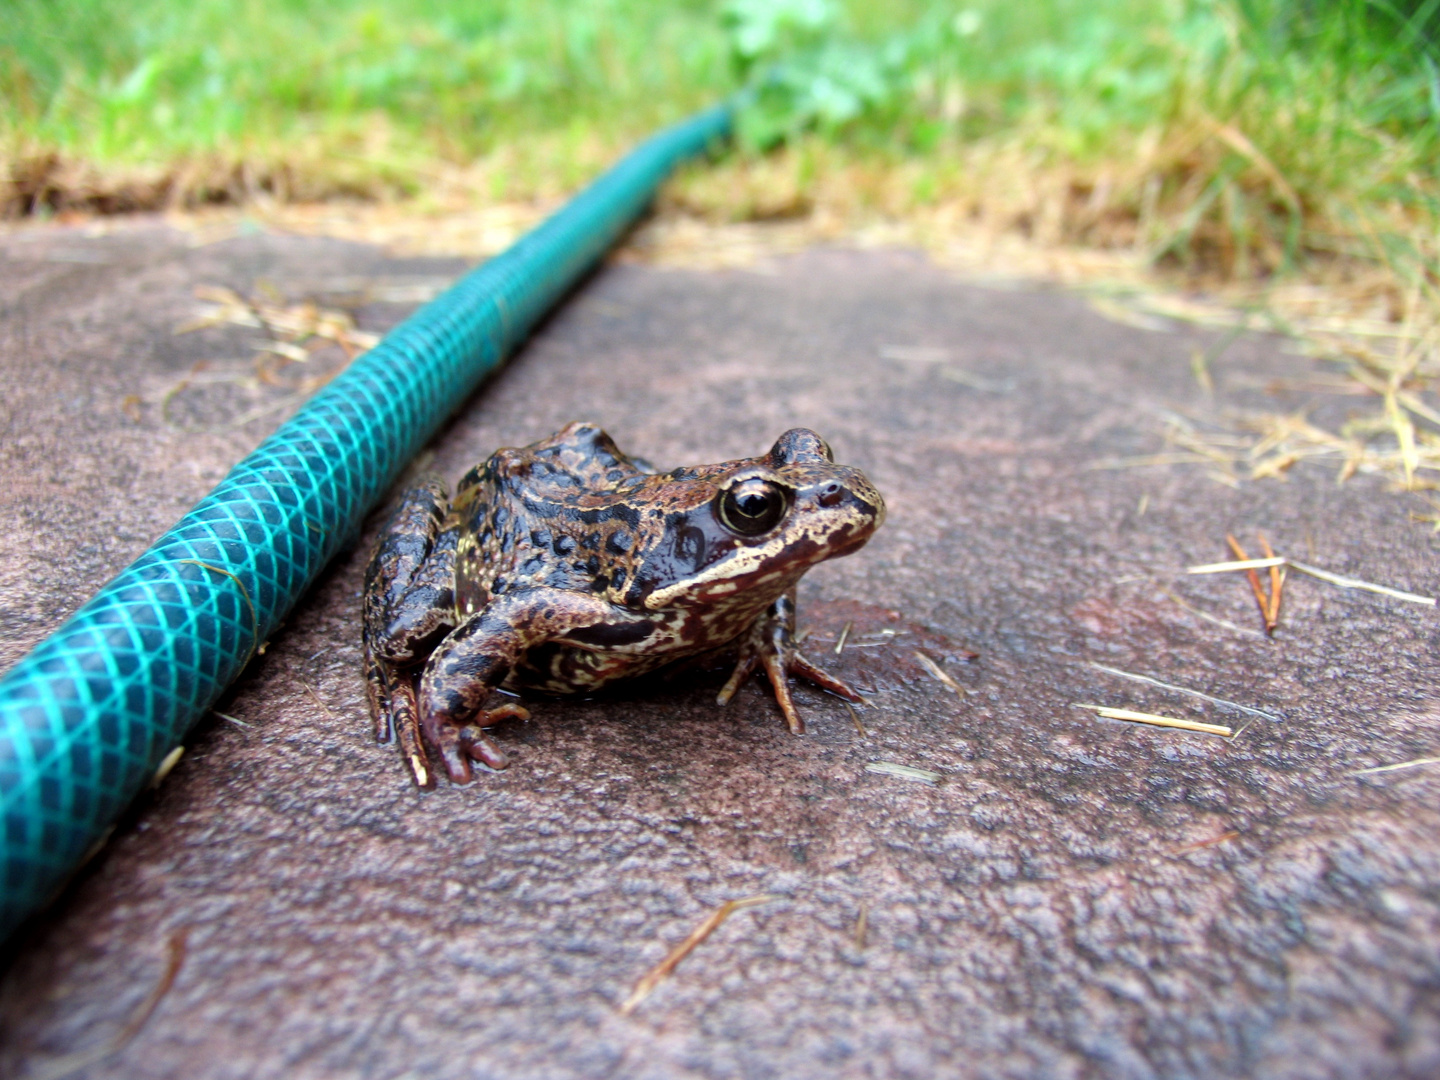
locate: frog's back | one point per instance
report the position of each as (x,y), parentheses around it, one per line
(581,459)
(516,511)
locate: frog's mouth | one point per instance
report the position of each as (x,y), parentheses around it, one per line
(849,511)
(841,546)
(850,536)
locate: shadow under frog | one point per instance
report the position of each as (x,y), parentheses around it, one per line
(565,566)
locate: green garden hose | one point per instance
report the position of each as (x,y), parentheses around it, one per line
(87,716)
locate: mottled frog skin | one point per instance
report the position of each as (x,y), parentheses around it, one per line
(566,565)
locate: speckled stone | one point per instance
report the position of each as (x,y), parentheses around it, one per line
(1032,914)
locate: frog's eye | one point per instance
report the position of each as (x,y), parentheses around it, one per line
(752,506)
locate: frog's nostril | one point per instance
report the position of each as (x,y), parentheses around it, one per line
(830,493)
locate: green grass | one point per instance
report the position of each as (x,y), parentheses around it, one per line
(1238,138)
(1244,138)
(367,91)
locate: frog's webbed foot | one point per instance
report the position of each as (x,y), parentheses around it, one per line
(770,643)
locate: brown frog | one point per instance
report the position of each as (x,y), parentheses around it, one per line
(566,565)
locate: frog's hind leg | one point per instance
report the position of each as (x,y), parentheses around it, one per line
(409,601)
(770,643)
(397,716)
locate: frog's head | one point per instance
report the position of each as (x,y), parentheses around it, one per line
(754,526)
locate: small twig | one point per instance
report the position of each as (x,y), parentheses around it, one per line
(174,960)
(1399,765)
(1157,721)
(254,617)
(232,719)
(1244,564)
(656,975)
(1200,368)
(1313,571)
(1277,583)
(167,763)
(1243,728)
(844,636)
(862,923)
(1254,579)
(1198,613)
(256,413)
(1356,583)
(315,696)
(1151,460)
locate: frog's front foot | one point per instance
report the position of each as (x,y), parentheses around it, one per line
(458,744)
(770,642)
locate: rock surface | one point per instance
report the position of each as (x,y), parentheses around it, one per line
(1074,897)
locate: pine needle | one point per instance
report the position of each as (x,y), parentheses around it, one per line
(1355,583)
(1399,765)
(1261,713)
(939,674)
(1156,721)
(905,772)
(656,975)
(1242,564)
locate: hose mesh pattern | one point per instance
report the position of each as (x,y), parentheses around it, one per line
(87,716)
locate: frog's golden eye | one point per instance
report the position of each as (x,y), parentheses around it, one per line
(752,506)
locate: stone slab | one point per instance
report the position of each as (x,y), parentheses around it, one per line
(1074,897)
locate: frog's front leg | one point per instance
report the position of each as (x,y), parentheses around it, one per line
(477,656)
(770,642)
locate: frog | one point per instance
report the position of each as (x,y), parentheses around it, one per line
(566,566)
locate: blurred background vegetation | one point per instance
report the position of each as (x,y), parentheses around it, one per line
(1234,140)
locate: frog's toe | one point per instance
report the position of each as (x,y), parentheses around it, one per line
(743,667)
(403,723)
(480,747)
(449,745)
(413,751)
(508,711)
(798,665)
(775,669)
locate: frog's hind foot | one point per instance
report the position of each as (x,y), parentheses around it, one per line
(397,718)
(409,600)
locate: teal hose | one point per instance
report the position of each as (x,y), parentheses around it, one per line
(88,715)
